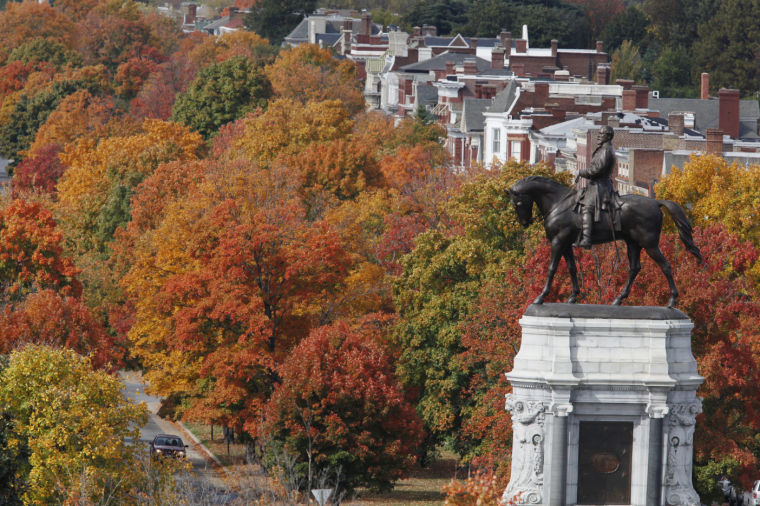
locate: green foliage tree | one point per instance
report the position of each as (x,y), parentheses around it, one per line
(274,19)
(445,15)
(438,286)
(222,93)
(630,24)
(45,50)
(672,74)
(626,63)
(728,46)
(13,462)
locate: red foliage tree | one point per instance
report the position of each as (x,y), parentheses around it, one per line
(339,404)
(31,255)
(718,296)
(48,318)
(39,172)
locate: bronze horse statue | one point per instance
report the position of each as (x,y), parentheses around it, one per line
(641,225)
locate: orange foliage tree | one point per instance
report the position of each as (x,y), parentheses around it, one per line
(26,20)
(309,73)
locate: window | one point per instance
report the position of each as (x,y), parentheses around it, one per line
(515,148)
(496,132)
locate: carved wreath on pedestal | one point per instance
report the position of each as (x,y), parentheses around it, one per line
(681,421)
(527,478)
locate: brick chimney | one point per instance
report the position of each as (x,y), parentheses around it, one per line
(599,46)
(497,58)
(430,30)
(521,46)
(629,100)
(642,96)
(555,44)
(450,68)
(627,84)
(470,66)
(505,38)
(474,43)
(518,69)
(675,123)
(705,88)
(366,24)
(603,74)
(541,93)
(714,141)
(728,107)
(416,31)
(192,12)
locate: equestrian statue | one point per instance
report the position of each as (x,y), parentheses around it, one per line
(596,214)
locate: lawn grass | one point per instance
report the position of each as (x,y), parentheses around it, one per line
(422,487)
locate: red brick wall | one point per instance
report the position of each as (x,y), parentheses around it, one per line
(645,166)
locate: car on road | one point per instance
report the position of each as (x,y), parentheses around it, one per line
(167,445)
(754,495)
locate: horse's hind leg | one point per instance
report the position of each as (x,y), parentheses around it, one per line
(573,269)
(658,257)
(634,266)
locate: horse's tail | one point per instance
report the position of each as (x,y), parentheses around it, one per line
(683,225)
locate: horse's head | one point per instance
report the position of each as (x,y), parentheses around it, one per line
(523,206)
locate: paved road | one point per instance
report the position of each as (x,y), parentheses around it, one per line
(206,481)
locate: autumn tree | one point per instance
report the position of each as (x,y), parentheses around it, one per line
(45,50)
(340,406)
(51,319)
(76,424)
(24,21)
(233,274)
(39,172)
(31,255)
(310,73)
(80,114)
(221,93)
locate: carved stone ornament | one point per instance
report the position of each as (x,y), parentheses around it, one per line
(527,478)
(680,443)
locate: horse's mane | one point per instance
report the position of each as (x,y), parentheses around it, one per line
(518,186)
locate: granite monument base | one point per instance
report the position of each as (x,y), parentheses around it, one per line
(603,407)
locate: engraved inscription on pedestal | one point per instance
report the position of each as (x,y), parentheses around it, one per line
(527,478)
(604,463)
(680,440)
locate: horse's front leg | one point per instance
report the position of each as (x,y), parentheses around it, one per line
(573,269)
(557,248)
(634,266)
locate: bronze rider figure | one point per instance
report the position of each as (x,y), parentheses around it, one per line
(598,195)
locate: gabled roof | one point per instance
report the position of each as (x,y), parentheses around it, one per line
(217,23)
(300,32)
(472,114)
(327,39)
(333,24)
(439,62)
(458,41)
(503,100)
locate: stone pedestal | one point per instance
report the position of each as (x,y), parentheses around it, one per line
(603,407)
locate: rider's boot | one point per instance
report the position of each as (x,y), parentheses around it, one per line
(587,220)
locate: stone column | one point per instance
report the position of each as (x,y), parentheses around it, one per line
(527,478)
(558,487)
(656,414)
(680,444)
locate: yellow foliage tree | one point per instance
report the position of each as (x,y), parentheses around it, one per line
(711,189)
(95,167)
(288,126)
(75,423)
